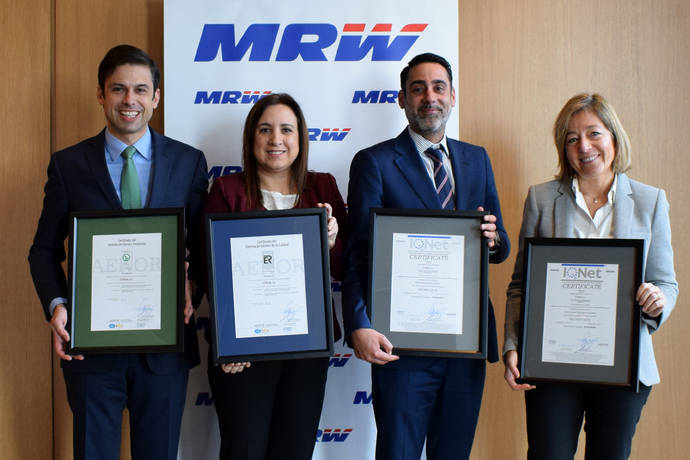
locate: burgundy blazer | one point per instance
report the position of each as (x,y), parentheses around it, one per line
(228,194)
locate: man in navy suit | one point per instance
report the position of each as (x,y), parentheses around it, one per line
(85,177)
(418,398)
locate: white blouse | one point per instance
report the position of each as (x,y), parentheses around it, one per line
(276,200)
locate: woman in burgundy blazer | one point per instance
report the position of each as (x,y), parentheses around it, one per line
(229,194)
(271,409)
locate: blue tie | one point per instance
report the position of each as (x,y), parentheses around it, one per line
(441,179)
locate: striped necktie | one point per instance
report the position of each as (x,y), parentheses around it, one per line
(444,188)
(129,182)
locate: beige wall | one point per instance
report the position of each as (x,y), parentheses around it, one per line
(519,62)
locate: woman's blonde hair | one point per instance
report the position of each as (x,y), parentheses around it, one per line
(599,106)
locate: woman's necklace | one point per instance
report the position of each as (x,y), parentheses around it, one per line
(594,199)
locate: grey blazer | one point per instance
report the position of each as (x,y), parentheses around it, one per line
(639,211)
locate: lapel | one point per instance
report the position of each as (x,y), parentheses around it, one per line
(161,170)
(563,211)
(460,166)
(623,206)
(95,158)
(413,170)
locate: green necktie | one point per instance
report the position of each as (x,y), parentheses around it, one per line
(129,182)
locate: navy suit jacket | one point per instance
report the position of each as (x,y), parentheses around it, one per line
(392,175)
(78,180)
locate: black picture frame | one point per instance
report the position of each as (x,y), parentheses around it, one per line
(406,225)
(574,263)
(90,333)
(228,342)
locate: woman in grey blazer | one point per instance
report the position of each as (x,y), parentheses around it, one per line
(593,198)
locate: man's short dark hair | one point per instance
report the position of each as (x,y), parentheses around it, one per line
(421,59)
(126,54)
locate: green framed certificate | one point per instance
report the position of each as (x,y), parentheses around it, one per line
(126,279)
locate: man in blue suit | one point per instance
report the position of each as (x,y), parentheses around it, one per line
(97,174)
(418,398)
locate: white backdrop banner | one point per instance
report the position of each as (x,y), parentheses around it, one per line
(341,62)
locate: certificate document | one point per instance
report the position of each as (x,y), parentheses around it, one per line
(580,313)
(427,283)
(268,286)
(126,282)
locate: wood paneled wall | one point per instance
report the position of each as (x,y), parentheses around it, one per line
(519,62)
(25,391)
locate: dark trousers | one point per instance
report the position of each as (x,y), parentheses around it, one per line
(155,404)
(433,398)
(270,410)
(554,418)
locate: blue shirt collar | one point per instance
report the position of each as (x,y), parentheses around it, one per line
(114,146)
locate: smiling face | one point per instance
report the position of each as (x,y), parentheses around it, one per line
(276,140)
(427,99)
(589,146)
(128,101)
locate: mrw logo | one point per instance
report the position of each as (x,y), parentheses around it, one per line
(306,41)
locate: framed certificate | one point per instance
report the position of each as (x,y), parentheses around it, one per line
(126,279)
(428,281)
(580,321)
(269,285)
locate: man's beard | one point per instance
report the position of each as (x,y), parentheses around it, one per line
(427,125)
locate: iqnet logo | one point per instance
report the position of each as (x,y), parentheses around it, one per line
(427,243)
(307,41)
(582,276)
(582,272)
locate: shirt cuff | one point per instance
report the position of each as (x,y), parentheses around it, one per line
(55,302)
